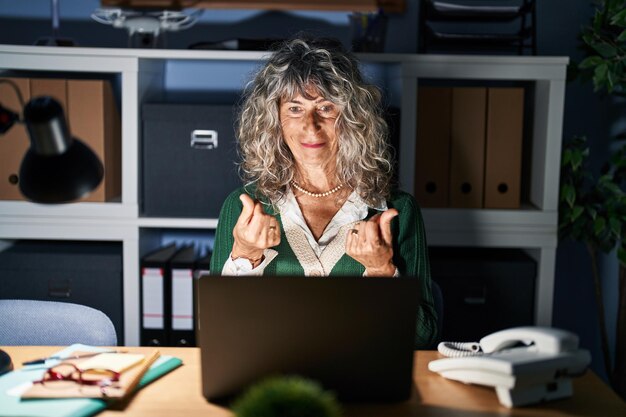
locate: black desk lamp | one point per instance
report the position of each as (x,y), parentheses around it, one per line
(57,168)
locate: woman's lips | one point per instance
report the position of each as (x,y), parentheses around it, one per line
(313,145)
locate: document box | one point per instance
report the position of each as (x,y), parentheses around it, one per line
(484,290)
(189,159)
(88,273)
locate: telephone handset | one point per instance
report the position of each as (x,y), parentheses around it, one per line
(525,364)
(544,339)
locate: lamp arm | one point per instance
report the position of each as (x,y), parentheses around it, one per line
(17,92)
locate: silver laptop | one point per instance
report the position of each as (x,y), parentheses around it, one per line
(354,335)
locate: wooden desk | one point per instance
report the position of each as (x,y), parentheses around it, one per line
(179,394)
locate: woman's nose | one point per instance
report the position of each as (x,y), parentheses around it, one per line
(311,121)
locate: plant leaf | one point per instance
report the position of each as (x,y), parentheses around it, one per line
(609,80)
(616,226)
(566,158)
(619,19)
(597,20)
(577,159)
(610,186)
(576,212)
(591,61)
(599,76)
(599,225)
(604,49)
(568,194)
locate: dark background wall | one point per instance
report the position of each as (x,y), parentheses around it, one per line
(559,22)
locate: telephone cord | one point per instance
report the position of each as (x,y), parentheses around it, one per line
(460,349)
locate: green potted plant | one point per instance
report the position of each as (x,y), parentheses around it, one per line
(286,396)
(592,208)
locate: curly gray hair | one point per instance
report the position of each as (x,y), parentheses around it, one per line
(363,159)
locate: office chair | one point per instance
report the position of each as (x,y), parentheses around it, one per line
(30,322)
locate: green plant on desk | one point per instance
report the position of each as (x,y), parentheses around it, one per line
(593,210)
(286,396)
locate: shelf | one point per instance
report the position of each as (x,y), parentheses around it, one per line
(174,223)
(66,228)
(483,67)
(146,75)
(117,61)
(326,5)
(525,228)
(73,210)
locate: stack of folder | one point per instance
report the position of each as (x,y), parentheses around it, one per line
(469,147)
(168,294)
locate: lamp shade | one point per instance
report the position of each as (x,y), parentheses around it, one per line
(56,168)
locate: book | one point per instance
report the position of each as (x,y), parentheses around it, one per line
(117,362)
(14,383)
(130,372)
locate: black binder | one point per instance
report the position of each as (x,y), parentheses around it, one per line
(203,265)
(182,330)
(156,296)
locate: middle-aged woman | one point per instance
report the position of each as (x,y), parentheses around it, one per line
(317,198)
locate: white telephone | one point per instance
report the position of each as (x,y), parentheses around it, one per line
(540,369)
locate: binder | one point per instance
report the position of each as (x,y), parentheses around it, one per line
(432,158)
(467,146)
(182,331)
(503,156)
(155,296)
(203,265)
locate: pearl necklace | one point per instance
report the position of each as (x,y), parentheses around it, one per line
(316,195)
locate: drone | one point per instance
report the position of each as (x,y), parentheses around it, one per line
(144,23)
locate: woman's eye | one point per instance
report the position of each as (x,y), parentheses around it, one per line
(294,109)
(326,110)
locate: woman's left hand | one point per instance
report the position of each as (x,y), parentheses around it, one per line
(371,243)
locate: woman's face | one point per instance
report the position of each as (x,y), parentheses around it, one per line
(308,126)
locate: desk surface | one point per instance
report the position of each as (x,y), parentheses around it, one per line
(179,393)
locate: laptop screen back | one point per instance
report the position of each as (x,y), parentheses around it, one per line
(354,335)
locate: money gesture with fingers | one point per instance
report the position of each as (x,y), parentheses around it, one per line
(254,231)
(370,242)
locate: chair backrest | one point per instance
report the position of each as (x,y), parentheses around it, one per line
(30,322)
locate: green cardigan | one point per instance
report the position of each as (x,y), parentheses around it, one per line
(410,254)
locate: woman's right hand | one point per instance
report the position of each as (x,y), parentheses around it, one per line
(255,230)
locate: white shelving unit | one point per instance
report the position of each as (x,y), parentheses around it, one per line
(143,76)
